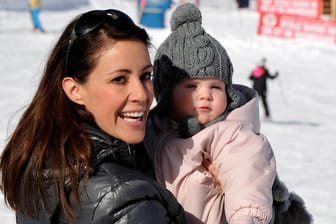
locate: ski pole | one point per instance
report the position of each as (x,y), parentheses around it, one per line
(284,98)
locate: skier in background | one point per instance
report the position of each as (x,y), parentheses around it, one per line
(243,3)
(35,8)
(259,76)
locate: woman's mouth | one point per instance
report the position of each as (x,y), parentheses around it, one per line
(132,116)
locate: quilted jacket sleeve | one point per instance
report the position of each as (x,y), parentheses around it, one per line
(246,169)
(127,198)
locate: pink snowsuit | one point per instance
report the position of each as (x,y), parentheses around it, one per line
(243,159)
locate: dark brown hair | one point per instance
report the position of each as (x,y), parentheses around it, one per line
(49,148)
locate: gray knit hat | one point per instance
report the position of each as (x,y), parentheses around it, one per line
(190,52)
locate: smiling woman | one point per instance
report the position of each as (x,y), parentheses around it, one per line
(78,144)
(119,90)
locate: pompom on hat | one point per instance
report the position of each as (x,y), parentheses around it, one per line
(190,52)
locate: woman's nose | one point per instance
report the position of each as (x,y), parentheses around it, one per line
(140,91)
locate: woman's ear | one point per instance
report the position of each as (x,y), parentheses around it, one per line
(72,90)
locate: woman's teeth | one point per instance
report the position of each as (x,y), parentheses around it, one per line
(132,116)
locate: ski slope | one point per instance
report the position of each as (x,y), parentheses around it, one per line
(302,100)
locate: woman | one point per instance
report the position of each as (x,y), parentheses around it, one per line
(72,157)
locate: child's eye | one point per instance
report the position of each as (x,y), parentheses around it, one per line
(119,80)
(217,87)
(190,85)
(146,76)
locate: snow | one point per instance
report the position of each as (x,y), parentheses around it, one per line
(303,129)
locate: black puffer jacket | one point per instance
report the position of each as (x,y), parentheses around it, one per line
(120,189)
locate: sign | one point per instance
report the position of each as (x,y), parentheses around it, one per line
(307,8)
(287,26)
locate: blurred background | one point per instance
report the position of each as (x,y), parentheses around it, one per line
(298,38)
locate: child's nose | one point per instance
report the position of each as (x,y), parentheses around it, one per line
(205,94)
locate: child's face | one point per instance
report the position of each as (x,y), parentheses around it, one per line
(204,99)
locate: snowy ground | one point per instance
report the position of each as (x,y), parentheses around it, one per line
(303,129)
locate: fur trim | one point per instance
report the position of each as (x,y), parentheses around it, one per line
(295,214)
(288,208)
(279,190)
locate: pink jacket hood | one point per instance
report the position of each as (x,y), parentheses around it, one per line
(248,113)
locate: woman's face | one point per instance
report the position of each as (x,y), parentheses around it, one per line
(119,91)
(204,99)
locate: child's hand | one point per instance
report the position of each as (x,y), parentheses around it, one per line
(212,169)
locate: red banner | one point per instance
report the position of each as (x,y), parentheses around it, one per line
(307,8)
(287,26)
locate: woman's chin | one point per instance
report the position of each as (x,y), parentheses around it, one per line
(134,137)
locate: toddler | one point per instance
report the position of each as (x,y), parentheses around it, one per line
(203,134)
(210,158)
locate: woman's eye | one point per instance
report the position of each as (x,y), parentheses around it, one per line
(146,76)
(119,80)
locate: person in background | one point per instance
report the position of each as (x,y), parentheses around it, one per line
(243,3)
(259,76)
(35,8)
(76,155)
(203,135)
